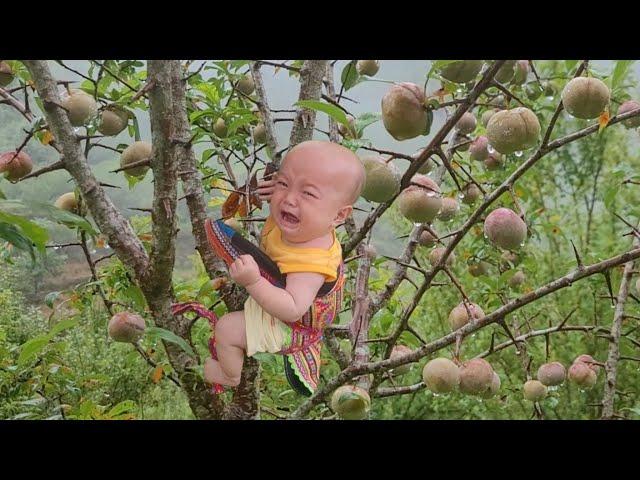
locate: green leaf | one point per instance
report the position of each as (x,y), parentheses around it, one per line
(610,197)
(12,235)
(620,71)
(32,348)
(210,91)
(429,122)
(88,86)
(365,120)
(115,94)
(349,76)
(262,357)
(68,218)
(238,63)
(386,320)
(207,154)
(239,122)
(134,293)
(37,209)
(209,112)
(297,64)
(131,180)
(125,406)
(334,112)
(206,289)
(488,281)
(433,103)
(440,64)
(168,336)
(634,410)
(63,325)
(356,143)
(136,128)
(34,232)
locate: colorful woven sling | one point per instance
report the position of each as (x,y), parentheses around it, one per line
(302,357)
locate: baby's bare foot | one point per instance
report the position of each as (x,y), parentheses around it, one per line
(213,373)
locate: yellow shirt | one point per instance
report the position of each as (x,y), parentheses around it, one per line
(300,259)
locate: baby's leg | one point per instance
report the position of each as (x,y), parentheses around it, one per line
(231,343)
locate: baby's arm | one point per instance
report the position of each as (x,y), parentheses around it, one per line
(288,304)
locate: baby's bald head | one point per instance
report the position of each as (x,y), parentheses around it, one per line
(331,163)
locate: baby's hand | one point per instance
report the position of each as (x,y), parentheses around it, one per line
(244,270)
(265,188)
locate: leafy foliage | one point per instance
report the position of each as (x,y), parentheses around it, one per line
(56,361)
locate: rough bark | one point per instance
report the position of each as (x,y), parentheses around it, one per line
(166,135)
(152,274)
(311,75)
(611,365)
(359,328)
(334,135)
(265,112)
(170,134)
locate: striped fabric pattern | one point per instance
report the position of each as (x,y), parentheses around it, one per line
(306,339)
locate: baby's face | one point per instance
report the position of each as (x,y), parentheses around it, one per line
(311,194)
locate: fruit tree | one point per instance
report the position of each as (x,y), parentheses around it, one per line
(473,261)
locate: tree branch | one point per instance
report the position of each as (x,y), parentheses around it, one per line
(611,365)
(311,75)
(164,162)
(562,282)
(111,223)
(399,272)
(342,358)
(11,100)
(59,165)
(263,106)
(389,392)
(537,333)
(435,143)
(359,331)
(170,133)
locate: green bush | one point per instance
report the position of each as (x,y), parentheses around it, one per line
(74,370)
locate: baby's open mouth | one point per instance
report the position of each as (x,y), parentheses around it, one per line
(289,218)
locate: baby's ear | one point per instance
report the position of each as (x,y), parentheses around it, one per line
(342,215)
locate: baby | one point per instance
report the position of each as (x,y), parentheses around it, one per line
(311,194)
